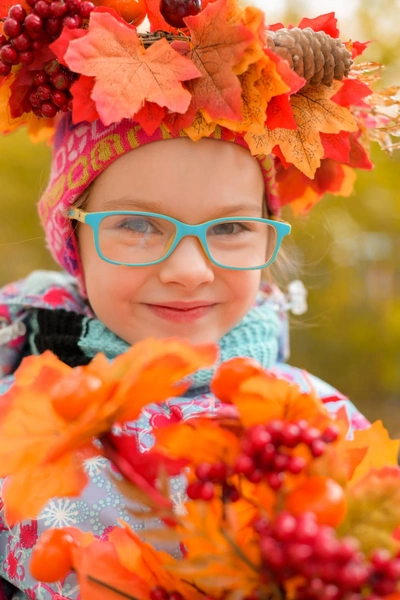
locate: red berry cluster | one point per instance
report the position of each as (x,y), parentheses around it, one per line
(334,568)
(50,91)
(265,448)
(208,476)
(174,11)
(264,456)
(25,33)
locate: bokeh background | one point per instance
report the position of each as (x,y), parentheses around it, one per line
(349,249)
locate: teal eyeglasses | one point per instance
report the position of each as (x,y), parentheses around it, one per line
(140,239)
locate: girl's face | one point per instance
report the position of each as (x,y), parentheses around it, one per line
(186,295)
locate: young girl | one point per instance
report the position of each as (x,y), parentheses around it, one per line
(163,222)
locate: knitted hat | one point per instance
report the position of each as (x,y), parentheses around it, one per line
(209,68)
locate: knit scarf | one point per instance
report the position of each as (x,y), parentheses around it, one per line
(255,336)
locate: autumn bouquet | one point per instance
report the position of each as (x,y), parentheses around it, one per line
(280,504)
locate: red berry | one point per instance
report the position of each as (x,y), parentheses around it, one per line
(290,435)
(309,435)
(33,23)
(174,11)
(307,528)
(280,462)
(65,107)
(49,110)
(230,492)
(219,472)
(60,81)
(255,476)
(267,456)
(203,471)
(159,593)
(40,78)
(275,428)
(275,480)
(42,9)
(52,67)
(12,27)
(22,42)
(36,44)
(298,553)
(392,569)
(73,6)
(330,434)
(296,464)
(207,491)
(35,100)
(73,22)
(244,465)
(318,447)
(53,26)
(44,92)
(385,587)
(175,596)
(258,437)
(59,98)
(31,3)
(193,490)
(285,526)
(9,55)
(17,12)
(37,112)
(26,58)
(5,69)
(58,9)
(3,40)
(86,9)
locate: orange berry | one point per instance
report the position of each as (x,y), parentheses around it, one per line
(322,496)
(133,11)
(52,556)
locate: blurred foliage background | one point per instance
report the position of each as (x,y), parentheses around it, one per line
(349,248)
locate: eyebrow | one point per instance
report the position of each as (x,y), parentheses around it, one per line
(128,203)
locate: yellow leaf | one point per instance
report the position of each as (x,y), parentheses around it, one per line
(373,511)
(381,450)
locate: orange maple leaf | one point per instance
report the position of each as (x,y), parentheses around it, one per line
(127,565)
(222,549)
(207,440)
(126,74)
(41,442)
(314,113)
(261,396)
(215,51)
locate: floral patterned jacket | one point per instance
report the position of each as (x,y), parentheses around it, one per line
(101,505)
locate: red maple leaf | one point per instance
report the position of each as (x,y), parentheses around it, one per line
(357,48)
(20,89)
(336,146)
(326,22)
(150,117)
(352,93)
(83,107)
(126,74)
(60,46)
(215,51)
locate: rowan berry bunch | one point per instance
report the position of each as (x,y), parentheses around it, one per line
(265,455)
(25,34)
(334,568)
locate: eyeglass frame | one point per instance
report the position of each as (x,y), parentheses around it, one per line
(183,230)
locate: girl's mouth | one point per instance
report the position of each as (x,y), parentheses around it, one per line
(180,312)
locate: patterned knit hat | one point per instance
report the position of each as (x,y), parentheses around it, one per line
(209,68)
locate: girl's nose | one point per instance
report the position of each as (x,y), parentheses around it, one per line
(188,265)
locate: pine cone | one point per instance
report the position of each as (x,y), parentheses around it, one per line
(314,55)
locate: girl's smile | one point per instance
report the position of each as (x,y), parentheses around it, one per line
(181,312)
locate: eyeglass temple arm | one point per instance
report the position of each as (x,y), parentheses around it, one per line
(77,214)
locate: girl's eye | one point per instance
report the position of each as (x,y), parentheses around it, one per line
(228,228)
(137,225)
